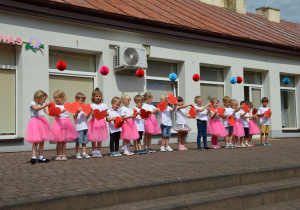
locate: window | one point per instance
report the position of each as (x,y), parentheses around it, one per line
(7,91)
(252,78)
(211,83)
(288,103)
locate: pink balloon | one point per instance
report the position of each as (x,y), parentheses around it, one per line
(104,70)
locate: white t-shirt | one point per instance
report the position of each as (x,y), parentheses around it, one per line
(112,113)
(65,114)
(34,113)
(101,107)
(201,115)
(165,117)
(217,117)
(244,120)
(263,120)
(238,115)
(225,120)
(81,121)
(180,116)
(148,107)
(139,121)
(126,111)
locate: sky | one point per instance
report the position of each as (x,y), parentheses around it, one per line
(289,9)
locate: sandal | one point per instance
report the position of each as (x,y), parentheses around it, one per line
(64,157)
(58,158)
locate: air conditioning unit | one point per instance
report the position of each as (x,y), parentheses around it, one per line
(128,60)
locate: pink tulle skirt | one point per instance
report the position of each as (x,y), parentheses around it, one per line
(64,130)
(129,130)
(216,128)
(97,130)
(253,128)
(238,129)
(151,126)
(39,130)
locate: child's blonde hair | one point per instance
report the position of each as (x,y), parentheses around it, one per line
(213,100)
(123,97)
(226,98)
(115,100)
(79,95)
(197,98)
(60,94)
(232,102)
(147,95)
(138,98)
(163,98)
(95,92)
(38,94)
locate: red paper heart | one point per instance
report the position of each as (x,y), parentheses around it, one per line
(134,113)
(254,112)
(246,107)
(119,122)
(193,112)
(72,107)
(220,111)
(86,108)
(212,108)
(231,120)
(268,113)
(53,110)
(162,106)
(172,99)
(99,115)
(145,114)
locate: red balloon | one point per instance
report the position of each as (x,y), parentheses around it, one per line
(239,80)
(61,65)
(140,73)
(104,70)
(196,77)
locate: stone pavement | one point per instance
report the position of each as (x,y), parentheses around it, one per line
(21,182)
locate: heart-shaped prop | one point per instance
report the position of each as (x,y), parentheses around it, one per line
(193,112)
(172,99)
(99,115)
(86,108)
(162,106)
(119,122)
(254,111)
(72,107)
(246,107)
(145,114)
(212,108)
(268,113)
(134,113)
(231,120)
(220,111)
(53,110)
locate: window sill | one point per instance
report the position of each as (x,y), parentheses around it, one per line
(17,139)
(293,130)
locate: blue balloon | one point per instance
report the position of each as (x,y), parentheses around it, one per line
(233,80)
(172,77)
(286,81)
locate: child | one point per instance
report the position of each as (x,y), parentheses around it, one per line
(139,124)
(215,127)
(129,129)
(166,124)
(238,130)
(180,124)
(80,119)
(229,128)
(264,122)
(253,128)
(97,131)
(201,122)
(39,129)
(63,127)
(114,132)
(151,125)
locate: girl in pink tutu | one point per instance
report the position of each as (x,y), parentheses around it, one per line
(129,129)
(63,128)
(97,131)
(151,125)
(238,129)
(215,126)
(39,129)
(180,124)
(253,128)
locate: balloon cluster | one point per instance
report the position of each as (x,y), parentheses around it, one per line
(234,80)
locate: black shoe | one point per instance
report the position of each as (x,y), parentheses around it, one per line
(44,160)
(207,148)
(33,160)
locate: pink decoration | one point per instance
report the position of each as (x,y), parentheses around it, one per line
(104,70)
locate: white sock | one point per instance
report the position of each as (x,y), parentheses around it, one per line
(128,145)
(41,157)
(77,153)
(33,157)
(83,153)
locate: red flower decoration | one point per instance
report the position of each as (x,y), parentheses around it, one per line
(134,113)
(239,80)
(196,77)
(212,108)
(140,73)
(61,65)
(254,112)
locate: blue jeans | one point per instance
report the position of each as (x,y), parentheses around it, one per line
(202,131)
